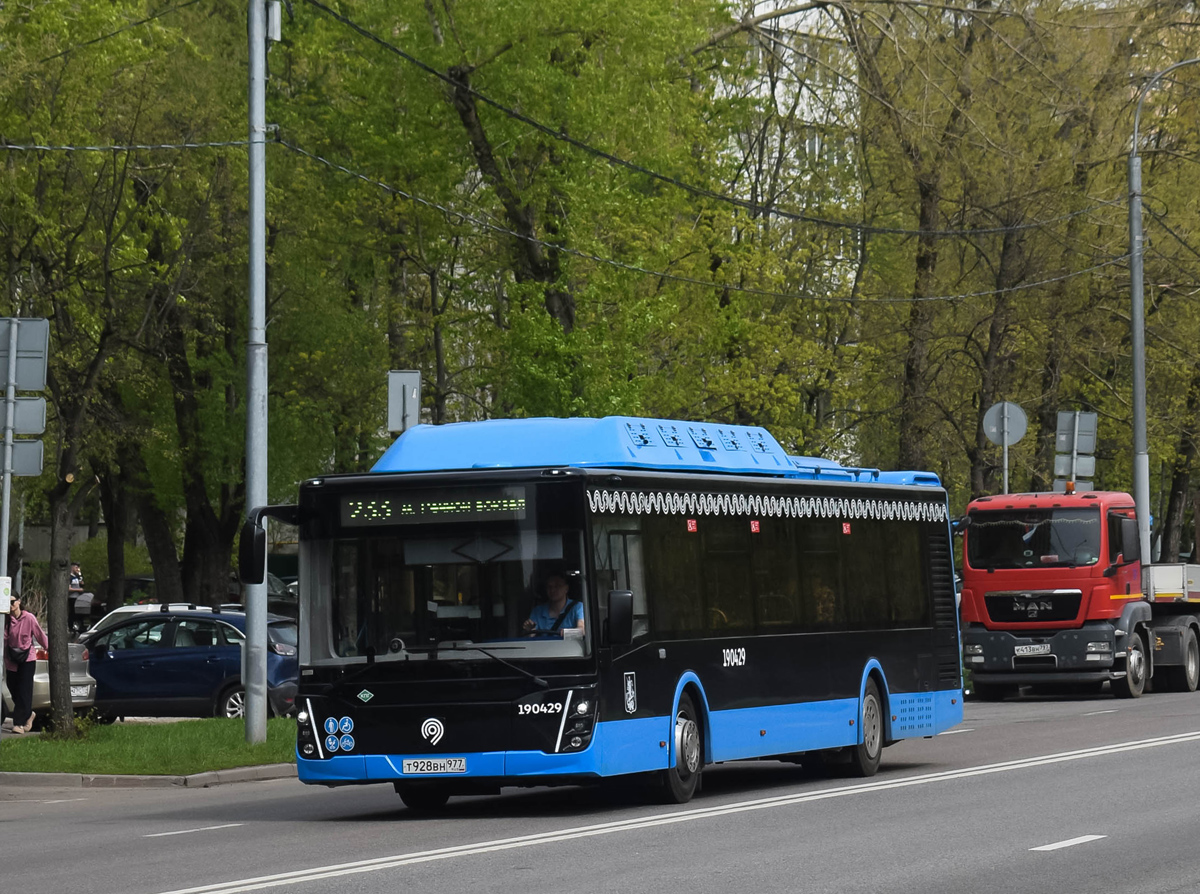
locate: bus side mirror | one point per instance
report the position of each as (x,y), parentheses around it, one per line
(620,617)
(1131,543)
(252,551)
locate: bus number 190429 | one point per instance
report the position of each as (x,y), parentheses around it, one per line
(734,657)
(542,708)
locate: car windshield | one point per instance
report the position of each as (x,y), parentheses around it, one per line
(1033,538)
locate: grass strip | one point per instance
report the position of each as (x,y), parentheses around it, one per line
(151,749)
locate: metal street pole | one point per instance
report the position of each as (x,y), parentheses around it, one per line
(1004,438)
(10,401)
(255,595)
(1141,453)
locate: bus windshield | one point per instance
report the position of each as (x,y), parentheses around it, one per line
(451,590)
(1033,538)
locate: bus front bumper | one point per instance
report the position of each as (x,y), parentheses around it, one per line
(616,748)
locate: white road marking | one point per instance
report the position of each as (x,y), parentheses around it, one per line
(1094,713)
(190,831)
(337,870)
(951,732)
(1070,842)
(41,801)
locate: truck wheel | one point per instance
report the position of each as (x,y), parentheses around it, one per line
(1133,684)
(990,692)
(1185,677)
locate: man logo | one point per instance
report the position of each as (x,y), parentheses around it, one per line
(433,730)
(630,693)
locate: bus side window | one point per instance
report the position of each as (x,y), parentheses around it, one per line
(620,566)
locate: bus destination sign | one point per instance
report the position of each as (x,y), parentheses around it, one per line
(431,507)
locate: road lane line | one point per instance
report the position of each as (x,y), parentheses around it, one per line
(1070,842)
(1094,713)
(190,831)
(952,732)
(338,870)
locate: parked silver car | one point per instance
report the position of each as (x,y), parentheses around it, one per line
(83,686)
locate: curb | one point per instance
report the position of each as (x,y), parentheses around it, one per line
(196,780)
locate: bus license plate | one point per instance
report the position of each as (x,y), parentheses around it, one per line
(425,765)
(1035,649)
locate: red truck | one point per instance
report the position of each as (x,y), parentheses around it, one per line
(1054,595)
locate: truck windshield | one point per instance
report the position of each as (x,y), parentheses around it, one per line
(1033,538)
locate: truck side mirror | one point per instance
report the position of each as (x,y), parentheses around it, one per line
(620,617)
(1131,543)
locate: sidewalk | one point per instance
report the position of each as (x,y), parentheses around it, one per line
(197,780)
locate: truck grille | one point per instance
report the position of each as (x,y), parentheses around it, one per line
(1033,607)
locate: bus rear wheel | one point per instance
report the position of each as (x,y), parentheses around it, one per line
(423,798)
(681,780)
(865,756)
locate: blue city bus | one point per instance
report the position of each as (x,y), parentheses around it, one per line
(727,602)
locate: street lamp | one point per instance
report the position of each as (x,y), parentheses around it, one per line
(1141,455)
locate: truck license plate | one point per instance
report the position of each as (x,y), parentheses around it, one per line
(426,765)
(1034,649)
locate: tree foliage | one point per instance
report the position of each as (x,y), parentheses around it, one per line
(859,225)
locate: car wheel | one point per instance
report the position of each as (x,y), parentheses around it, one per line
(232,702)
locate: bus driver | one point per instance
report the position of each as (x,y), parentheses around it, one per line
(557,612)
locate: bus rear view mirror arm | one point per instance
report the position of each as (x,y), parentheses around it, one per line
(252,546)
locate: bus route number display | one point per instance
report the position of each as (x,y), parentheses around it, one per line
(431,507)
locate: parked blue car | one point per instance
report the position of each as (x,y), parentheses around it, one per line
(171,663)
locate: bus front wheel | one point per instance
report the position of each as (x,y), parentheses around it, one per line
(864,757)
(423,798)
(681,780)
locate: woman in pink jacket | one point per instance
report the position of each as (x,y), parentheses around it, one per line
(19,636)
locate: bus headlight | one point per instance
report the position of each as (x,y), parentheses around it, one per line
(302,718)
(582,707)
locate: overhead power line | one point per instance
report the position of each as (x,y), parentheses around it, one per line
(453,215)
(754,207)
(127,147)
(122,30)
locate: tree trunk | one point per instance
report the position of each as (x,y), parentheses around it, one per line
(1181,473)
(113,488)
(64,506)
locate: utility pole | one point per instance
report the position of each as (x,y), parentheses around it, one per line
(254,663)
(1137,323)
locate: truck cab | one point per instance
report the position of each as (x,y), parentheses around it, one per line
(1052,593)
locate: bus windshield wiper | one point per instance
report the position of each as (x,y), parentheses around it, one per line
(473,648)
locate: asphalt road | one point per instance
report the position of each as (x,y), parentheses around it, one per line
(1037,795)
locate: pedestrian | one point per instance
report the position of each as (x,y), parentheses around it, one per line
(76,584)
(20,660)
